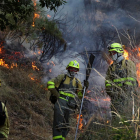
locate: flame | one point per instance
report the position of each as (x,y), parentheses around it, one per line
(34,1)
(126,55)
(35,14)
(80,121)
(111,62)
(107,121)
(138,73)
(2,63)
(34,66)
(0,50)
(14,56)
(33,24)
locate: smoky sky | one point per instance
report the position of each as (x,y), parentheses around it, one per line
(85,19)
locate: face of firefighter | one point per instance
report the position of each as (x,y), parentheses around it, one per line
(116,57)
(72,72)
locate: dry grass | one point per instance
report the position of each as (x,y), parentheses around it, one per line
(29,109)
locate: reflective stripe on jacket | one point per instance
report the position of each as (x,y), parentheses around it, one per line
(5,128)
(68,86)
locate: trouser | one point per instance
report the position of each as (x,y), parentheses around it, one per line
(61,120)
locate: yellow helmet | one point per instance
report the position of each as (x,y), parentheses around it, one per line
(73,64)
(116,47)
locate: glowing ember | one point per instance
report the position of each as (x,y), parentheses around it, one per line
(32,78)
(53,63)
(46,88)
(34,1)
(106,99)
(0,50)
(88,91)
(14,65)
(34,66)
(80,121)
(48,16)
(138,52)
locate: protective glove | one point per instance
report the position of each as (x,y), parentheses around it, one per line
(55,92)
(54,95)
(53,99)
(86,84)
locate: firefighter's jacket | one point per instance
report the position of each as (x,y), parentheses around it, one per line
(69,86)
(121,77)
(4,130)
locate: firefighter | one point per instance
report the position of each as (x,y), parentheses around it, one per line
(120,81)
(4,121)
(65,88)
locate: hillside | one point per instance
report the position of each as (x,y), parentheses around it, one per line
(29,109)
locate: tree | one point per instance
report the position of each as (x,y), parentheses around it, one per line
(52,4)
(14,11)
(26,21)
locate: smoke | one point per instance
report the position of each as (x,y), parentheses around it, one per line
(89,26)
(57,65)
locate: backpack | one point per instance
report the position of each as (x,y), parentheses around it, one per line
(2,114)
